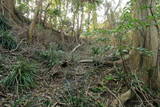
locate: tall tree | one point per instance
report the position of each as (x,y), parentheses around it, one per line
(34,21)
(146,36)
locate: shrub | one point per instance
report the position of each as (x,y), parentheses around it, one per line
(2,59)
(53,56)
(22,76)
(78,99)
(7,41)
(30,101)
(97,50)
(3,23)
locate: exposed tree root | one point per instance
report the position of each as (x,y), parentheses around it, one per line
(118,102)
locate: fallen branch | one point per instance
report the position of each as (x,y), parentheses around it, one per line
(86,61)
(75,48)
(17,46)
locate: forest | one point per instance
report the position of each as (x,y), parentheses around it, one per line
(79,53)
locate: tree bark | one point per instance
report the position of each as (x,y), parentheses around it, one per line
(34,21)
(146,36)
(7,9)
(80,25)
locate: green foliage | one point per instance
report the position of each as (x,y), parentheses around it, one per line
(98,89)
(66,22)
(100,50)
(1,59)
(110,77)
(53,55)
(119,75)
(103,39)
(7,40)
(92,5)
(29,101)
(145,51)
(2,65)
(23,7)
(78,100)
(40,26)
(54,12)
(22,76)
(96,50)
(122,50)
(4,26)
(98,32)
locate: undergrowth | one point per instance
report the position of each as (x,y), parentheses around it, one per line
(30,101)
(78,98)
(52,56)
(7,40)
(3,23)
(21,76)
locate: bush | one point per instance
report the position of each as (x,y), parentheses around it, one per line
(53,56)
(96,50)
(78,99)
(7,41)
(3,23)
(31,101)
(22,76)
(2,59)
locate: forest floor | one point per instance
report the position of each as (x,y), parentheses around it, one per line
(76,79)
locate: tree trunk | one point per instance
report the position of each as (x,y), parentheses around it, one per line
(146,36)
(81,24)
(88,21)
(34,21)
(74,23)
(7,9)
(94,19)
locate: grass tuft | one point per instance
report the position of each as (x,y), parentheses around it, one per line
(22,76)
(7,40)
(52,56)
